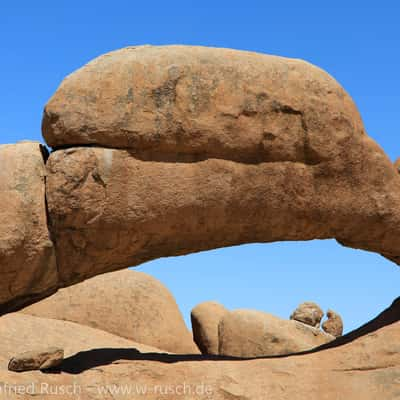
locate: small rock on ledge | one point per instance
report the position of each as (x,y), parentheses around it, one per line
(37,360)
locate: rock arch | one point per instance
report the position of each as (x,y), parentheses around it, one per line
(163,151)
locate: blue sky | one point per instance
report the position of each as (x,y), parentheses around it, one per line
(357,42)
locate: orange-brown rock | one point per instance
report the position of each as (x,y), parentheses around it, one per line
(39,359)
(250,333)
(308,313)
(334,324)
(127,303)
(27,261)
(205,319)
(342,371)
(20,333)
(110,210)
(216,148)
(187,103)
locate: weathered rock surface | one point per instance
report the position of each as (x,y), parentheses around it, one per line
(27,262)
(205,319)
(217,148)
(110,210)
(23,333)
(32,360)
(334,324)
(308,313)
(250,333)
(363,368)
(179,101)
(127,303)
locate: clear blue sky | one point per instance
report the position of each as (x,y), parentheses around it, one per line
(358,42)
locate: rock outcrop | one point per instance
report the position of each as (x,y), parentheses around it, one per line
(28,268)
(197,148)
(250,333)
(209,148)
(127,303)
(308,313)
(205,319)
(334,324)
(338,372)
(22,333)
(32,360)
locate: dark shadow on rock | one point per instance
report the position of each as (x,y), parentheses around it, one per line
(85,360)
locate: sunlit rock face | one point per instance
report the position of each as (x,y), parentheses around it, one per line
(197,148)
(127,303)
(163,151)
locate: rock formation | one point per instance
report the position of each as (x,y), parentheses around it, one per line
(208,148)
(197,148)
(32,360)
(205,319)
(308,313)
(341,370)
(162,151)
(127,303)
(334,324)
(250,333)
(21,333)
(28,268)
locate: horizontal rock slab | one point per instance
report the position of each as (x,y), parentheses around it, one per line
(28,267)
(126,303)
(110,210)
(250,333)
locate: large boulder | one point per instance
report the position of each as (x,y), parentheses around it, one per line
(205,319)
(127,303)
(338,372)
(250,333)
(183,103)
(28,268)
